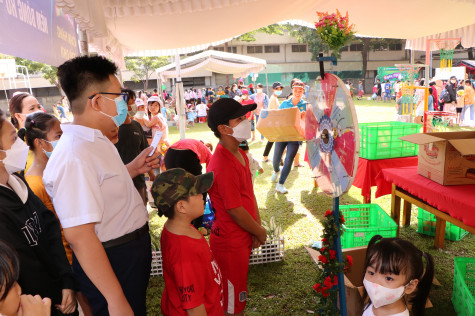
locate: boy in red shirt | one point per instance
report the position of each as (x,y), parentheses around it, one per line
(237,228)
(192,277)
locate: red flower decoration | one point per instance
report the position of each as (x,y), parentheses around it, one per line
(323,259)
(325,294)
(335,280)
(325,241)
(316,287)
(332,254)
(328,282)
(342,219)
(328,213)
(350,260)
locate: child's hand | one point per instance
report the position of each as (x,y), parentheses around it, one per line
(68,302)
(34,306)
(261,171)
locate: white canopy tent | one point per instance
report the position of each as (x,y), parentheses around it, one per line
(215,61)
(168,27)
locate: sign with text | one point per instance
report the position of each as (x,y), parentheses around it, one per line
(37,30)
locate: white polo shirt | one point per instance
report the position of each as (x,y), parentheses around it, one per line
(88,183)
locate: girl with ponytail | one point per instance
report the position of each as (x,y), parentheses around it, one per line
(395,277)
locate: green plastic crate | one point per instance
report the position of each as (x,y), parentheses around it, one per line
(381,140)
(362,222)
(426,225)
(463,296)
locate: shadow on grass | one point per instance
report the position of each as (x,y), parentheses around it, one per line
(281,208)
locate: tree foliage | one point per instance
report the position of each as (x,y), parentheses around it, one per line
(273,29)
(309,36)
(143,67)
(48,72)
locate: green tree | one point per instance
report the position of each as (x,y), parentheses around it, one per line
(143,67)
(373,44)
(273,29)
(309,36)
(35,68)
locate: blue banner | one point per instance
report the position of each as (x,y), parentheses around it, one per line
(38,31)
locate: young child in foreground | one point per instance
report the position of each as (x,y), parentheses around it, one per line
(395,277)
(192,277)
(12,303)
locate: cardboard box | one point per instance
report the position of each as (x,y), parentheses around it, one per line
(282,125)
(354,288)
(446,158)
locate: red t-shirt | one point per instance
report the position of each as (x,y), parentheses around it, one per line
(232,188)
(250,114)
(192,276)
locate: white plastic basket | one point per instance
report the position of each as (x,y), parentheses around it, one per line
(271,251)
(157,268)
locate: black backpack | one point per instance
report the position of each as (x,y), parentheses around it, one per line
(446,97)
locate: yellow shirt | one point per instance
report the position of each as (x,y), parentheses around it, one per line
(37,186)
(469,95)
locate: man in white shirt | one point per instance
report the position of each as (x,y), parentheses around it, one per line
(101,212)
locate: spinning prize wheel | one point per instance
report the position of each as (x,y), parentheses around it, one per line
(332,135)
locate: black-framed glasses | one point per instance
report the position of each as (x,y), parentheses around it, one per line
(124,95)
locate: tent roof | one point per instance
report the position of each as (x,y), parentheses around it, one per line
(165,27)
(215,61)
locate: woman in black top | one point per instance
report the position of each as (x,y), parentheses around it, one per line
(33,230)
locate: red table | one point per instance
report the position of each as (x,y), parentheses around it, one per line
(367,171)
(454,204)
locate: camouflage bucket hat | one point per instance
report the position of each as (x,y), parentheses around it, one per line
(175,184)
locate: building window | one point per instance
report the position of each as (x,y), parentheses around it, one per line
(357,47)
(272,48)
(299,48)
(395,46)
(232,49)
(254,49)
(344,49)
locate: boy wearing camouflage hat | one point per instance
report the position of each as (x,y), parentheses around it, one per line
(192,277)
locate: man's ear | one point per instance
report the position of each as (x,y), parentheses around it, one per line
(95,102)
(411,286)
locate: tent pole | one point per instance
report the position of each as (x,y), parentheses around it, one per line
(83,43)
(267,84)
(180,101)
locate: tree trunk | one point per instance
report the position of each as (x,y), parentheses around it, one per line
(470,53)
(364,55)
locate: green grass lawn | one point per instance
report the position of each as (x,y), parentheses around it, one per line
(285,288)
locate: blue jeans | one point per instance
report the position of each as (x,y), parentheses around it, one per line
(466,107)
(257,120)
(292,149)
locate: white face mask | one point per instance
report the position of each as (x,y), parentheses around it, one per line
(140,114)
(380,295)
(16,156)
(242,131)
(259,90)
(133,111)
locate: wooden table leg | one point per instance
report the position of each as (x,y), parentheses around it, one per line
(395,207)
(439,233)
(366,200)
(406,214)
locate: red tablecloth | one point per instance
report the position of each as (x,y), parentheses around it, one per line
(367,171)
(456,200)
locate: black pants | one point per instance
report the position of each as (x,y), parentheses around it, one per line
(267,149)
(131,263)
(186,159)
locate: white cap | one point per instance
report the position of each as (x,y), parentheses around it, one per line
(139,102)
(154,98)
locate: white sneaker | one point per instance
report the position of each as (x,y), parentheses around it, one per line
(274,176)
(281,189)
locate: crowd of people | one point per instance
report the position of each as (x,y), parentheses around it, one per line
(73,217)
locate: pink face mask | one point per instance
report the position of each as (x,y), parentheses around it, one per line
(380,295)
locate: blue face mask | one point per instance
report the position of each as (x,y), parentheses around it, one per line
(53,143)
(278,92)
(122,110)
